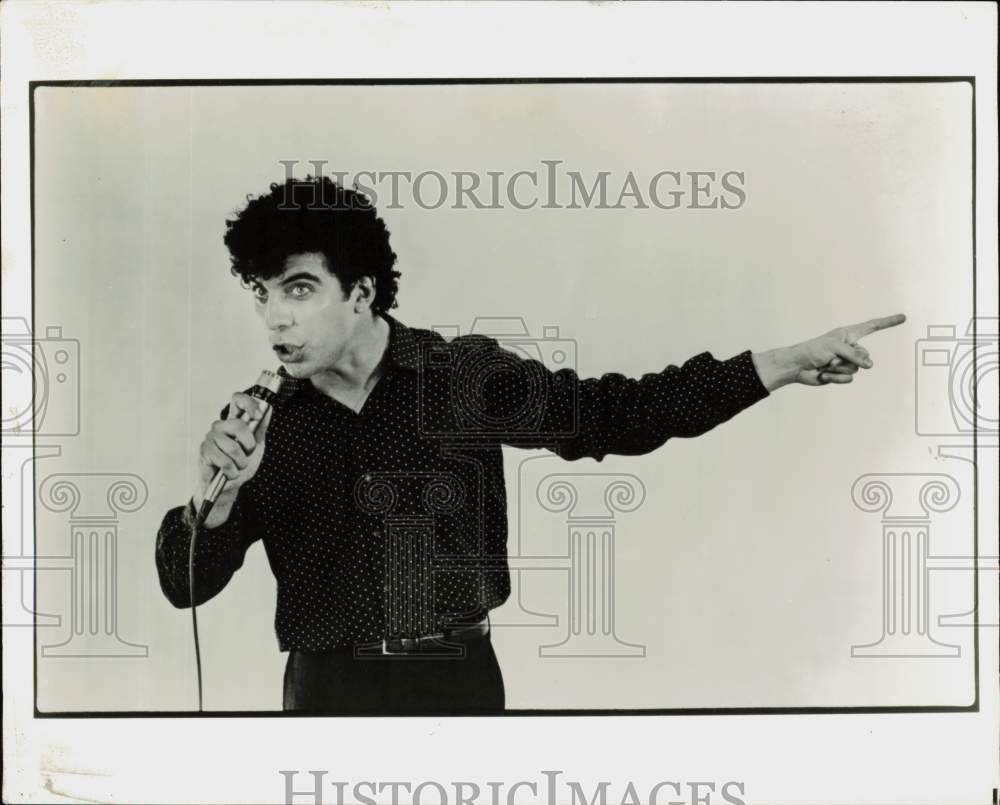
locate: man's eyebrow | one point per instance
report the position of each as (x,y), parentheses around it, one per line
(301,275)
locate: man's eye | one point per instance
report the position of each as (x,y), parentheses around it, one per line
(300,290)
(259,293)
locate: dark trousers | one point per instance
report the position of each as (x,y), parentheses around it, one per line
(340,682)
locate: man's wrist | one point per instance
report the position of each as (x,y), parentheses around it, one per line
(221,509)
(775,367)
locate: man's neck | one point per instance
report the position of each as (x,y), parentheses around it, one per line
(363,364)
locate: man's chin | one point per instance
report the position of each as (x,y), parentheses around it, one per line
(297,369)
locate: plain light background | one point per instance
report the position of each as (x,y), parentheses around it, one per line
(747,572)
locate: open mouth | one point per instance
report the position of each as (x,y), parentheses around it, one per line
(288,352)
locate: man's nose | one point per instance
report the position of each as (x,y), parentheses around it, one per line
(276,314)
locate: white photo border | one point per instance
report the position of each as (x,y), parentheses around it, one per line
(878,757)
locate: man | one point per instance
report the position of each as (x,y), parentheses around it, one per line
(376,480)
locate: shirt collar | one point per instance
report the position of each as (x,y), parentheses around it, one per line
(403,351)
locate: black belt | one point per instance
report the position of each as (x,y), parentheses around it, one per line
(428,643)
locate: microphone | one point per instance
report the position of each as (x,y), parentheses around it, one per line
(266,390)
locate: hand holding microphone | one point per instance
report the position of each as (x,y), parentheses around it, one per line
(232,450)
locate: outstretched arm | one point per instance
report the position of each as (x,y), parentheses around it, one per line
(530,406)
(830,358)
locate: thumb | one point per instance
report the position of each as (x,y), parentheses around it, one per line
(261,431)
(853,353)
(812,377)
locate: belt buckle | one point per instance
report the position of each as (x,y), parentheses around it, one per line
(407,645)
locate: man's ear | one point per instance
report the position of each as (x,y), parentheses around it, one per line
(366,292)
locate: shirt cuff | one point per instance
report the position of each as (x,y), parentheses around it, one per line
(748,387)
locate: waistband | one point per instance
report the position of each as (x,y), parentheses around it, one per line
(442,643)
(434,642)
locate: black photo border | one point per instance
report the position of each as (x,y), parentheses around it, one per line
(691,711)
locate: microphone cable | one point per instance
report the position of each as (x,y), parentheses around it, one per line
(206,507)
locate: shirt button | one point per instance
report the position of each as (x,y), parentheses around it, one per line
(368,477)
(377,533)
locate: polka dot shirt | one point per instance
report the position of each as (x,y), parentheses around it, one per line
(392,520)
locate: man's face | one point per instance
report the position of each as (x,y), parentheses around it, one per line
(309,321)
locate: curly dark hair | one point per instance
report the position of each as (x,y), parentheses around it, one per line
(314,215)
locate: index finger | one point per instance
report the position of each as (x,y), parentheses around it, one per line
(857,331)
(244,403)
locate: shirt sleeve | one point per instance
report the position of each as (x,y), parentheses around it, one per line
(219,552)
(613,414)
